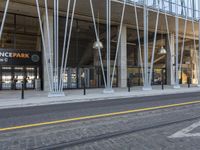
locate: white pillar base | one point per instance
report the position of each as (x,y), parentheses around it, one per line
(108,91)
(177,86)
(147,88)
(56,94)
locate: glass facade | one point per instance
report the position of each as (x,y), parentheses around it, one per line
(22,32)
(169,6)
(83,58)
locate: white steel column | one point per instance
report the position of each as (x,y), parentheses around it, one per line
(4,18)
(146,61)
(194,64)
(66,43)
(118,41)
(177,48)
(98,40)
(48,55)
(184,34)
(122,59)
(140,59)
(199,45)
(108,88)
(170,42)
(170,59)
(51,46)
(194,61)
(154,44)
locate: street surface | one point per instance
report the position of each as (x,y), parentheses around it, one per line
(169,122)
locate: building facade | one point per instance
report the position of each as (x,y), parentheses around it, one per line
(68,44)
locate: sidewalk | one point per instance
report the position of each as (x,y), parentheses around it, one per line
(12,99)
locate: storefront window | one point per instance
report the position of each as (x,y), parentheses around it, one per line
(21,36)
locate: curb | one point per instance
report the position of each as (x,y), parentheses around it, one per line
(24,103)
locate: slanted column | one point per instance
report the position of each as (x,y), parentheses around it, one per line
(199,47)
(45,76)
(194,65)
(146,85)
(170,5)
(108,89)
(122,59)
(170,60)
(176,85)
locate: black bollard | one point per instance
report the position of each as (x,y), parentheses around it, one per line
(22,92)
(162,82)
(129,85)
(84,88)
(188,81)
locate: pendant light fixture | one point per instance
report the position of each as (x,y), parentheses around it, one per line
(98,44)
(162,50)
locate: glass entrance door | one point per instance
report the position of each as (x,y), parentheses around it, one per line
(12,77)
(6,78)
(73,78)
(70,78)
(18,77)
(31,75)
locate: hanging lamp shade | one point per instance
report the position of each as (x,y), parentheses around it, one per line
(162,51)
(97,45)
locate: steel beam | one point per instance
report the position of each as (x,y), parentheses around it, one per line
(199,46)
(146,55)
(4,18)
(176,86)
(108,88)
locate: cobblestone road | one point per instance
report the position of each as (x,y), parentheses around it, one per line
(112,133)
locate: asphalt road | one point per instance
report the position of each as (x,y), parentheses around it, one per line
(140,130)
(30,115)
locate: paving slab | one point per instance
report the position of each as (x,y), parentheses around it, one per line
(12,99)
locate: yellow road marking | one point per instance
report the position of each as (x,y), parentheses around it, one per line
(97,116)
